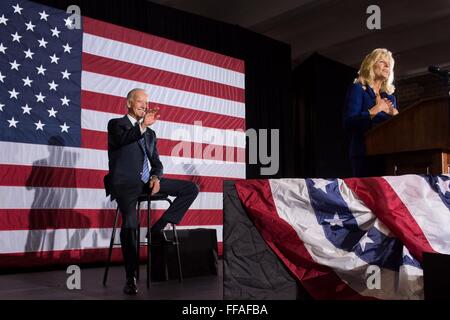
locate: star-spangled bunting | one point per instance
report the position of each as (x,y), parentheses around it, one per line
(40,75)
(331,233)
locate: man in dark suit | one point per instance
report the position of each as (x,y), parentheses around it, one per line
(135,168)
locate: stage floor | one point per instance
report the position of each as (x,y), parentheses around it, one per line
(51,285)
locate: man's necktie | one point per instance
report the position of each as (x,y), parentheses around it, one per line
(145,167)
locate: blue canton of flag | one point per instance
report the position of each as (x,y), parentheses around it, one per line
(40,75)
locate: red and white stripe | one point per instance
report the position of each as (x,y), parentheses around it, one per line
(53,204)
(409,207)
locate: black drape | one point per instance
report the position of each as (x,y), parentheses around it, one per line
(267,62)
(319,86)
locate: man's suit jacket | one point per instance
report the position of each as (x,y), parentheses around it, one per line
(126,156)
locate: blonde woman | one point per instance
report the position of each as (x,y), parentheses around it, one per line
(369,101)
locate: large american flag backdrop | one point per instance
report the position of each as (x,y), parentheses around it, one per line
(353,238)
(59,88)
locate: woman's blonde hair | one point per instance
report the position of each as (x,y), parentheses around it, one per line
(366,75)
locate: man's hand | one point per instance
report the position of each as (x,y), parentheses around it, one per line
(154,185)
(150,117)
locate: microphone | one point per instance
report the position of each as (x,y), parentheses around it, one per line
(437,70)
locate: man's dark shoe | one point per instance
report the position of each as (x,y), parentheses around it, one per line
(130,286)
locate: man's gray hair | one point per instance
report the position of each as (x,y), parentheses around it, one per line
(130,94)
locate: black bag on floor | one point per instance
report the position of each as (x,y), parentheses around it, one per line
(198,255)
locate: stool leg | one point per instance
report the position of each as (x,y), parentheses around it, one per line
(177,246)
(148,243)
(138,239)
(111,244)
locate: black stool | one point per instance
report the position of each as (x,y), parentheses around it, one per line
(149,199)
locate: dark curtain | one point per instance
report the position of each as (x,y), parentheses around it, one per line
(267,62)
(319,86)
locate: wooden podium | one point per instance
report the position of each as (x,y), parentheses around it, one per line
(417,140)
